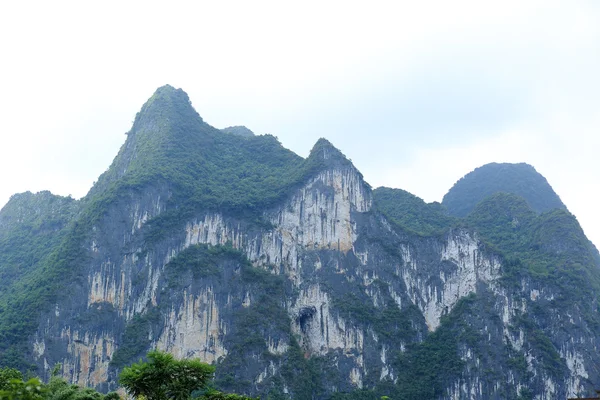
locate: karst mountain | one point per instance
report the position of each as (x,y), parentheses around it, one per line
(296,278)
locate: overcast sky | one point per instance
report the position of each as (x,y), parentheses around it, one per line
(417,95)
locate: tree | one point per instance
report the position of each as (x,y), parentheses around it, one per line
(215,395)
(7,375)
(59,389)
(13,387)
(17,389)
(163,377)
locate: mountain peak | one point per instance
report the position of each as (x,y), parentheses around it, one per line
(170,91)
(520,179)
(324,150)
(238,130)
(166,102)
(30,208)
(167,89)
(165,123)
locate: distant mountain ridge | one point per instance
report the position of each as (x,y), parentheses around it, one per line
(520,179)
(295,277)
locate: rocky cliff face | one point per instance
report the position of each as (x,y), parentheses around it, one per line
(317,295)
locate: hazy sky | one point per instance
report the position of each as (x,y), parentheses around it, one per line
(417,95)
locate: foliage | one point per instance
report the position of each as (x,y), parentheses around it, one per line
(17,389)
(525,394)
(304,374)
(202,260)
(425,368)
(21,303)
(163,377)
(56,389)
(389,321)
(32,226)
(547,246)
(135,342)
(411,213)
(519,179)
(7,375)
(60,389)
(216,395)
(204,169)
(160,377)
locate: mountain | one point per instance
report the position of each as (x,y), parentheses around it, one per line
(31,225)
(520,179)
(295,277)
(238,130)
(411,213)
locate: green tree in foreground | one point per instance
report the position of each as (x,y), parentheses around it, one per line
(17,389)
(7,375)
(163,377)
(13,387)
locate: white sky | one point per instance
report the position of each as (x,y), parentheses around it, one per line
(417,95)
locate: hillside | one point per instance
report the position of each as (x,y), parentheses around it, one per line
(520,179)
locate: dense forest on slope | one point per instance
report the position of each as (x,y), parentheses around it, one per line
(520,179)
(30,226)
(412,213)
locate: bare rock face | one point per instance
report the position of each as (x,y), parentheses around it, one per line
(317,293)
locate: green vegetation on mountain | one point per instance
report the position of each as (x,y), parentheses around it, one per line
(520,179)
(238,130)
(424,369)
(411,213)
(32,228)
(31,225)
(503,221)
(216,266)
(550,248)
(32,293)
(14,387)
(549,245)
(203,167)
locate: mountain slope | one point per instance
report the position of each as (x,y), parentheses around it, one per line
(295,278)
(412,213)
(520,179)
(30,225)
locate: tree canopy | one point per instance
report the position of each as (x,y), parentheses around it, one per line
(14,387)
(162,377)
